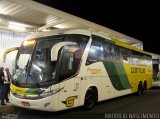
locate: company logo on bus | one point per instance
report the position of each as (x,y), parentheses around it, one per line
(137,70)
(70,101)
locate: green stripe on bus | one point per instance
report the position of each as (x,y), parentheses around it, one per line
(113,75)
(34,91)
(122,75)
(117,75)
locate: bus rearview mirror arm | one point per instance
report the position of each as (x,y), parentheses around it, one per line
(8,51)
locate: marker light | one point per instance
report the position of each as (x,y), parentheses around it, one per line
(29,42)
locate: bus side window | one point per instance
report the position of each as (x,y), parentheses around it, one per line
(67,63)
(95,52)
(124,53)
(70,61)
(81,40)
(116,54)
(107,52)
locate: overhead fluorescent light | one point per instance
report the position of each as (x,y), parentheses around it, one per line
(45,30)
(19,24)
(50,21)
(60,26)
(17,28)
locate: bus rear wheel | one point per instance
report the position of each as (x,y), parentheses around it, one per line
(90,99)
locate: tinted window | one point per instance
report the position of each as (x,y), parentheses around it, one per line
(70,61)
(116,49)
(95,52)
(81,40)
(124,53)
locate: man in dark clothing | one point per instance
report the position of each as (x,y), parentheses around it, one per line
(7,83)
(2,88)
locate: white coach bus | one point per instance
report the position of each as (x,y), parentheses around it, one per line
(60,70)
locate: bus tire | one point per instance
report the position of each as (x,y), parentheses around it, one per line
(90,99)
(140,90)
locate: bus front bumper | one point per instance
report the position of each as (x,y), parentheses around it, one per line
(45,104)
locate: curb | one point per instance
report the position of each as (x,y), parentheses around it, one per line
(6,108)
(7,105)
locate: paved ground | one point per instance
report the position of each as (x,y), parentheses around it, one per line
(119,108)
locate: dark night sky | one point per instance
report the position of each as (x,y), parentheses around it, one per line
(136,19)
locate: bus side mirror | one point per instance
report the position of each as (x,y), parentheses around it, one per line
(55,49)
(8,51)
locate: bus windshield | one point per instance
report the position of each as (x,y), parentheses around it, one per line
(34,67)
(24,54)
(22,59)
(42,69)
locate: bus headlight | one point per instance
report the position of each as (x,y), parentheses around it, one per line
(52,92)
(45,94)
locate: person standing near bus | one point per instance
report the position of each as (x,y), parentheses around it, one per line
(7,83)
(2,88)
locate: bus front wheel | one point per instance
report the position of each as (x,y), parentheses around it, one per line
(90,99)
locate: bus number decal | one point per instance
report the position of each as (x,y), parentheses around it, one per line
(70,101)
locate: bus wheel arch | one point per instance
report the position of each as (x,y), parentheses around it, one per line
(91,97)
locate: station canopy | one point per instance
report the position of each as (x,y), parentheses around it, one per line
(31,16)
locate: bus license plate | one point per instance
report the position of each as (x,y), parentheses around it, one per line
(25,104)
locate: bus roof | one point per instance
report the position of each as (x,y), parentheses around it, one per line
(86,32)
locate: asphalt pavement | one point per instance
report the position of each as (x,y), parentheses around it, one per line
(130,106)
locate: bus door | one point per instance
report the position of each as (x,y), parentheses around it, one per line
(68,97)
